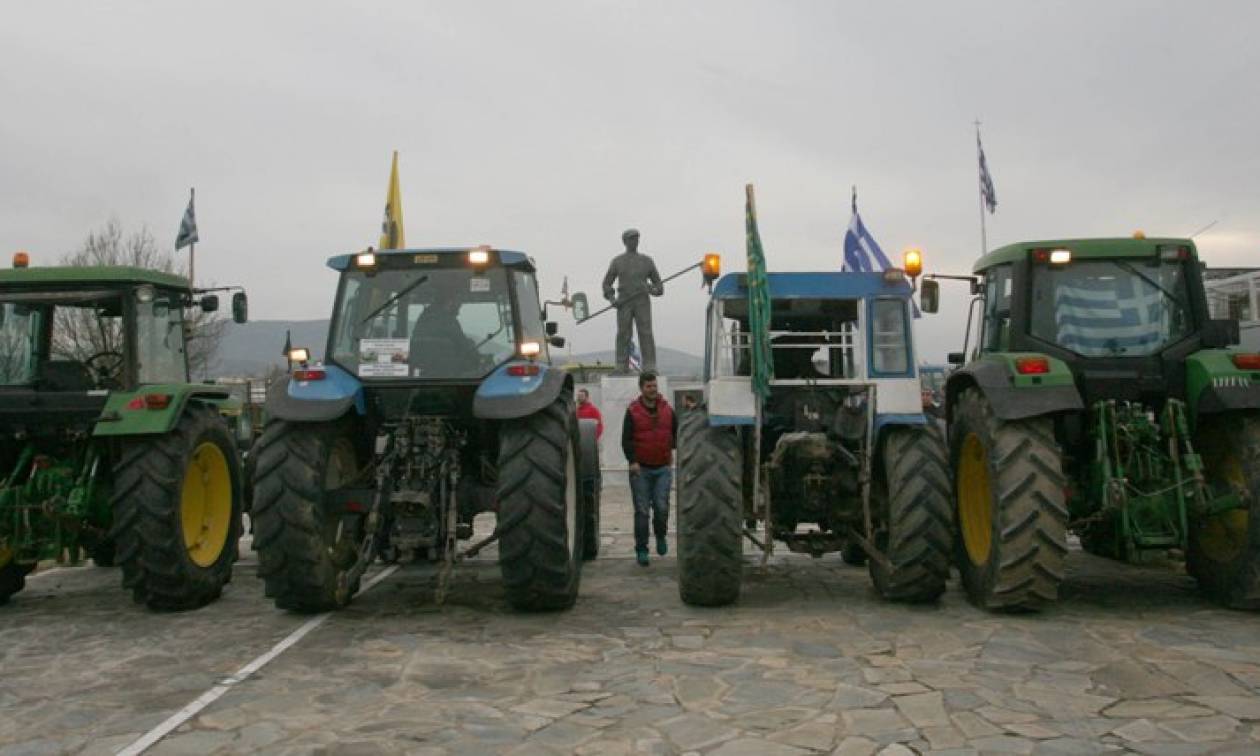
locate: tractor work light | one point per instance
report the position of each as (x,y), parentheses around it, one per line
(1246,361)
(530,348)
(21,260)
(299,354)
(913,261)
(1173,253)
(1060,256)
(712,266)
(479,256)
(1032,365)
(894,276)
(365,260)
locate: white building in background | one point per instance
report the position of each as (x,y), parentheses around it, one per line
(1235,293)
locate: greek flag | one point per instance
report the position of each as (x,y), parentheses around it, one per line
(188,226)
(1105,317)
(634,360)
(987,192)
(861,252)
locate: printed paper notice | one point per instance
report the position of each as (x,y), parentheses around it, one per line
(383,358)
(478,284)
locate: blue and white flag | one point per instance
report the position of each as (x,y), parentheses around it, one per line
(187,225)
(634,360)
(987,192)
(1110,316)
(861,252)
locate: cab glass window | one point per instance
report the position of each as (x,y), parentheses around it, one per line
(160,341)
(889,344)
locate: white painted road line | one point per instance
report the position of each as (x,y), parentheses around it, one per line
(150,738)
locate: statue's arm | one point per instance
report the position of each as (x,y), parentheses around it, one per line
(655,285)
(609,278)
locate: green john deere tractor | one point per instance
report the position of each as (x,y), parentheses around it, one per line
(1101,399)
(106,448)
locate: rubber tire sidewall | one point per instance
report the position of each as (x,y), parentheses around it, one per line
(710,513)
(1236,583)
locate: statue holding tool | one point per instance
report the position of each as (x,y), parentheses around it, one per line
(636,278)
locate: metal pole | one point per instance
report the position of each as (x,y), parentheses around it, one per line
(192,246)
(640,294)
(984,242)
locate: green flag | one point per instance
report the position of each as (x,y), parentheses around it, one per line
(758,303)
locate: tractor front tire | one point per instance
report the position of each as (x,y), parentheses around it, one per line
(1011,517)
(710,511)
(915,531)
(303,549)
(540,521)
(177,512)
(1224,553)
(12,579)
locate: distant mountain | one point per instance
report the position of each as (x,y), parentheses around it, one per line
(252,348)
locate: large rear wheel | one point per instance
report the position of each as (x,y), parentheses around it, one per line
(177,510)
(1224,554)
(914,531)
(540,525)
(1012,517)
(710,511)
(303,548)
(592,482)
(12,575)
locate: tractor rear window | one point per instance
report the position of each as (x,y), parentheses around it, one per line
(1110,308)
(433,323)
(888,337)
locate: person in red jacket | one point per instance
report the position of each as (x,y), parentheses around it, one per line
(586,410)
(648,434)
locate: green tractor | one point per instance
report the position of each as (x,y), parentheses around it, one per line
(106,448)
(1100,399)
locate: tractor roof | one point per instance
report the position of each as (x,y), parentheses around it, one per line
(507,258)
(94,275)
(825,285)
(1082,248)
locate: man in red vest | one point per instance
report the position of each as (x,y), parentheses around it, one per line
(648,433)
(586,410)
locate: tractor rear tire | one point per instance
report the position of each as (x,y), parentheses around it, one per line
(303,549)
(1011,517)
(1224,553)
(592,482)
(177,512)
(710,511)
(13,579)
(916,531)
(540,518)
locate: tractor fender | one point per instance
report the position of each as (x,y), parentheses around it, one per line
(1013,396)
(142,413)
(588,440)
(505,397)
(316,401)
(1214,384)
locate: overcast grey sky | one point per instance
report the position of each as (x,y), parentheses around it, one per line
(550,127)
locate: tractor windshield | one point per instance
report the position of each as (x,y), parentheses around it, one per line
(16,366)
(1110,308)
(435,323)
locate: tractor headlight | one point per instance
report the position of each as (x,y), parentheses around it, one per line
(530,348)
(1060,256)
(365,260)
(299,355)
(479,256)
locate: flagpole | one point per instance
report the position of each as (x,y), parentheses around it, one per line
(984,241)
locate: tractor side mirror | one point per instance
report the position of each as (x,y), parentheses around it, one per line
(556,341)
(955,358)
(1221,333)
(581,308)
(209,303)
(240,307)
(552,327)
(929,295)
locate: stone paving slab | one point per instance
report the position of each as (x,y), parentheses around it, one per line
(810,661)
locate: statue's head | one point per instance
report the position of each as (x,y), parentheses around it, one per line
(630,237)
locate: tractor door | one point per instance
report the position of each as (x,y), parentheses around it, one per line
(160,352)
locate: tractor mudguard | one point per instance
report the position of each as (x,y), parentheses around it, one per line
(316,401)
(1011,395)
(1215,384)
(504,397)
(155,409)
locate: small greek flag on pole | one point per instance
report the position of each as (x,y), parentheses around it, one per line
(987,192)
(188,226)
(861,252)
(634,360)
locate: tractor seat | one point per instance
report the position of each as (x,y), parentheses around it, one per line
(65,375)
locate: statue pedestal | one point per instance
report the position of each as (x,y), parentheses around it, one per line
(615,394)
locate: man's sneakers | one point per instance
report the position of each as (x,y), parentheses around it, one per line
(662,545)
(642,556)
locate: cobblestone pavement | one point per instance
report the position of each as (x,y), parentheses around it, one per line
(809,661)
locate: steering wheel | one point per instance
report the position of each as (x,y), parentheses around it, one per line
(108,370)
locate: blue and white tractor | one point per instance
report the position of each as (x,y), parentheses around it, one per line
(838,456)
(436,401)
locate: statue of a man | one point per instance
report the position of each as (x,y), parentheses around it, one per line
(636,278)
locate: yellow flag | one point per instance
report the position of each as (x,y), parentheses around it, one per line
(392,227)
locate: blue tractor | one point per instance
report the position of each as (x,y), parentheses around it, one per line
(838,457)
(436,401)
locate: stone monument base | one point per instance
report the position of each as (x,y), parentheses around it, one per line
(615,394)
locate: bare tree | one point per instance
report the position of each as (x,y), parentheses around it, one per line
(80,333)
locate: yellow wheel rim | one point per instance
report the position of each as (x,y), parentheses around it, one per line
(205,504)
(1224,537)
(975,500)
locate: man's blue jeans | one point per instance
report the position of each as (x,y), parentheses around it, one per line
(650,490)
